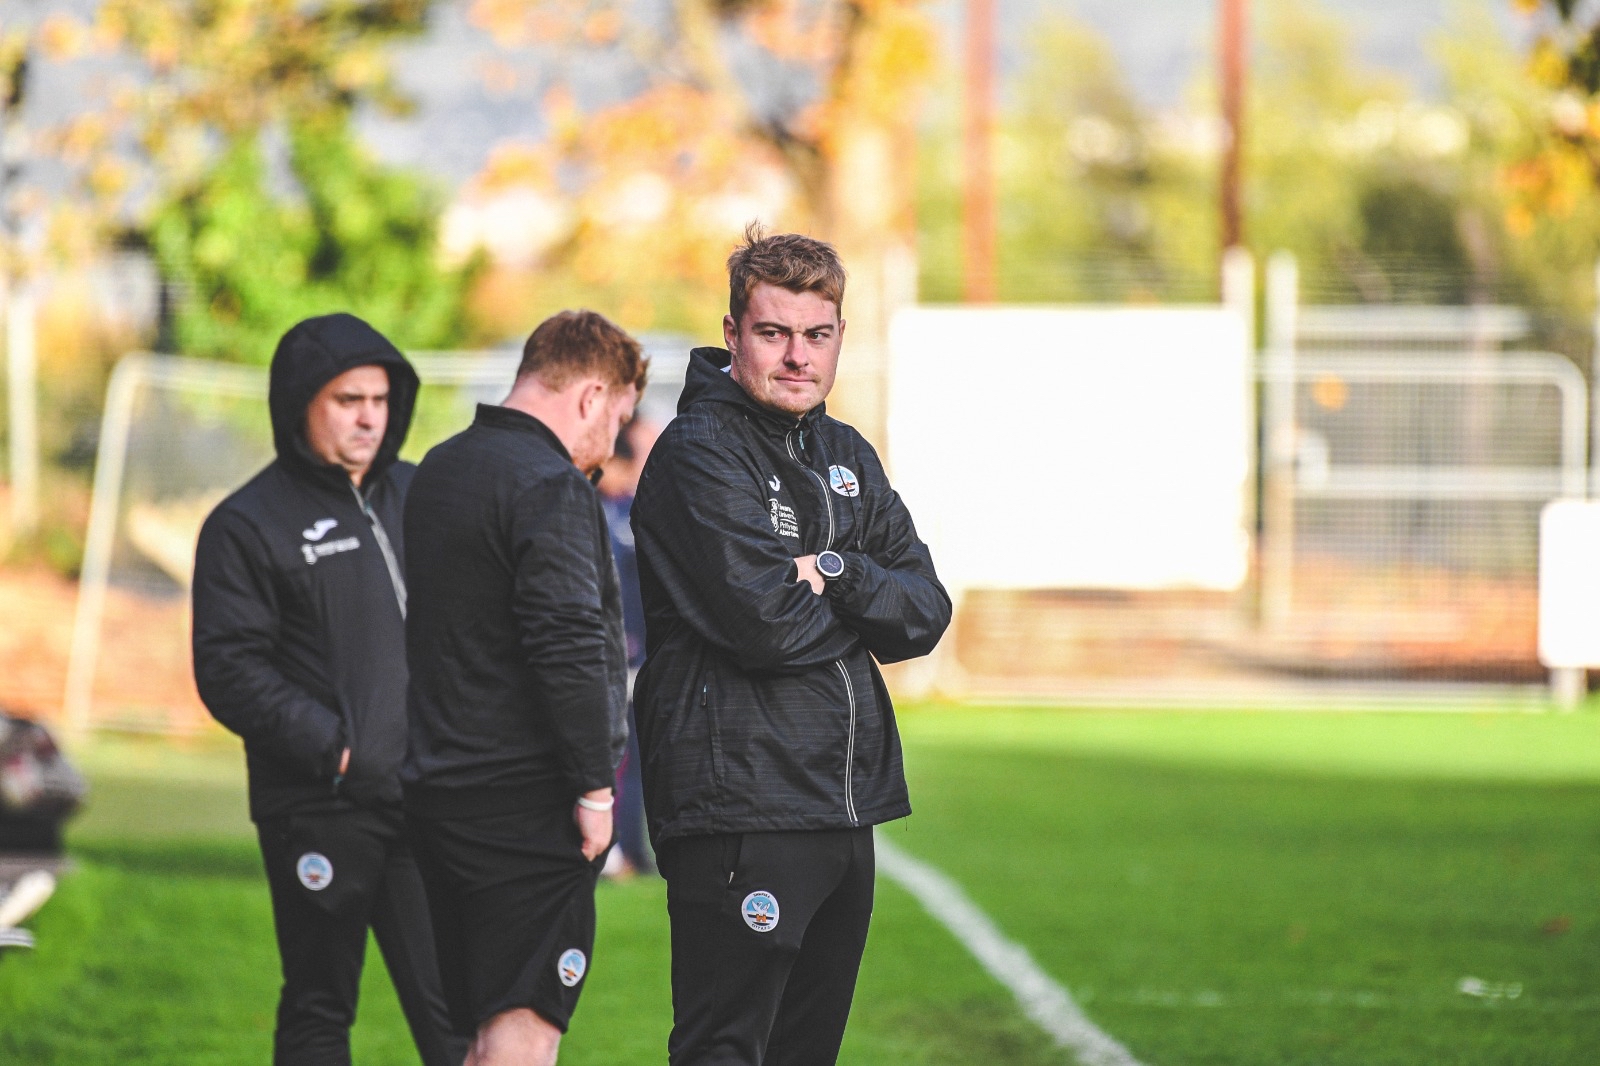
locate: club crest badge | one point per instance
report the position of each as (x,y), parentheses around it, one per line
(571,966)
(843,481)
(760,910)
(314,871)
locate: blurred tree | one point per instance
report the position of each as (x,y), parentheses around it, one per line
(800,113)
(260,205)
(1382,195)
(793,110)
(355,237)
(1558,164)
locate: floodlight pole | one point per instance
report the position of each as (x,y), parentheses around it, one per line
(978,208)
(1232,52)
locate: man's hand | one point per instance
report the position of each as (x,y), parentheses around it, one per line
(806,568)
(594,825)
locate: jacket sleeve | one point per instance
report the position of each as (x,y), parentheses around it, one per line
(701,524)
(236,627)
(562,627)
(889,593)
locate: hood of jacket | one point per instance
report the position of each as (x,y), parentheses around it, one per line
(312,354)
(708,381)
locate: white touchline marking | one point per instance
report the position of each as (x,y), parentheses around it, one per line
(1048,1004)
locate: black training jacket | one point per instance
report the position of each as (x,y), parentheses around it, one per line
(299,597)
(518,664)
(759,704)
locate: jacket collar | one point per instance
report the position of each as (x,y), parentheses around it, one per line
(708,381)
(495,416)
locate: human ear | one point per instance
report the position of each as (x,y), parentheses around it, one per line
(590,397)
(730,334)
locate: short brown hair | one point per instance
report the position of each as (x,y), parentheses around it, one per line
(571,344)
(789,261)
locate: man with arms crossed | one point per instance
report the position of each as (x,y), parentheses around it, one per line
(776,564)
(519,687)
(299,647)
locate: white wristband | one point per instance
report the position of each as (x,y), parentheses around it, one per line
(596,805)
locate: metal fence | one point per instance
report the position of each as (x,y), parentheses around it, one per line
(1408,454)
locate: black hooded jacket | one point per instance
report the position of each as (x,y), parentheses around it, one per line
(760,705)
(299,594)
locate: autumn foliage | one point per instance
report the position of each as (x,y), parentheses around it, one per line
(655,183)
(1562,164)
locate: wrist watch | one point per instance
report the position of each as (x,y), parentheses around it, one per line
(830,564)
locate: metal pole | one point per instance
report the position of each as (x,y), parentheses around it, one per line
(1239,295)
(1594,396)
(1239,289)
(1277,564)
(1232,55)
(978,213)
(22,396)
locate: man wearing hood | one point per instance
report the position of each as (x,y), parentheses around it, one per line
(778,568)
(299,647)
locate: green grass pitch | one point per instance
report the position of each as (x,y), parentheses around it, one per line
(1213,888)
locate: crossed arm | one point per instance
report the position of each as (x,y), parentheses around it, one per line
(737,583)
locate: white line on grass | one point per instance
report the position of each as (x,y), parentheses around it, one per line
(1041,998)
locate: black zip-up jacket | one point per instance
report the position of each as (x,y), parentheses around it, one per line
(518,664)
(299,594)
(759,705)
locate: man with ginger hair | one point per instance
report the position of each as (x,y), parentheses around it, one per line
(518,692)
(776,564)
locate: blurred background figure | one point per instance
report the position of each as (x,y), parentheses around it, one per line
(617,487)
(39,791)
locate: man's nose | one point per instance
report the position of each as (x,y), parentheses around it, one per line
(794,353)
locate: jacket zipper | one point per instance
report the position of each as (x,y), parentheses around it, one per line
(396,579)
(850,745)
(849,689)
(788,442)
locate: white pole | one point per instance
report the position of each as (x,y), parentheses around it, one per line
(1239,289)
(22,394)
(1568,687)
(1594,396)
(99,540)
(1239,296)
(1277,564)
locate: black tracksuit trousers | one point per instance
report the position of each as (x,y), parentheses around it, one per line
(333,876)
(767,935)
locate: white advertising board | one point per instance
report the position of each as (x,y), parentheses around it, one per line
(1082,448)
(1569,584)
